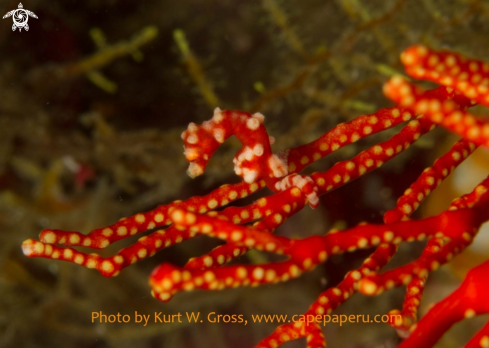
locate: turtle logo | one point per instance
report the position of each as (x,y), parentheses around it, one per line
(20,17)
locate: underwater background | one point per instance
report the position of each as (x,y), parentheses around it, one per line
(94,97)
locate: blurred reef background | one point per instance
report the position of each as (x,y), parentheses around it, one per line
(94,98)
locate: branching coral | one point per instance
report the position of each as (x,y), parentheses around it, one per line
(464,83)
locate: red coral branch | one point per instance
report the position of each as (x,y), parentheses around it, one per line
(465,302)
(449,233)
(481,339)
(468,76)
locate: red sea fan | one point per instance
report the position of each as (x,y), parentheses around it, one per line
(464,83)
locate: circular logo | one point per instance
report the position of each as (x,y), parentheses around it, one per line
(20,17)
